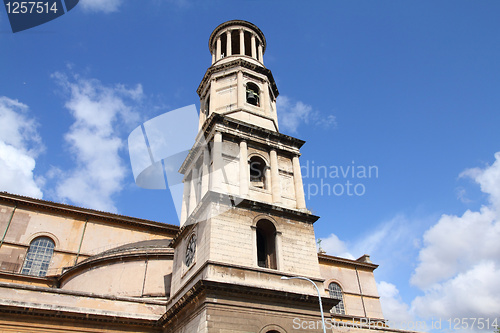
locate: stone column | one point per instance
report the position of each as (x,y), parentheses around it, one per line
(254,47)
(213,58)
(205,180)
(228,43)
(203,115)
(297,181)
(185,202)
(274,113)
(244,177)
(261,55)
(218,52)
(194,186)
(240,90)
(254,245)
(242,42)
(265,98)
(277,250)
(218,163)
(275,177)
(212,96)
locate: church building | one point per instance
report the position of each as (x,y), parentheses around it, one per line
(244,258)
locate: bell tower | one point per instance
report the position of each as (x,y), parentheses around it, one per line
(244,221)
(238,84)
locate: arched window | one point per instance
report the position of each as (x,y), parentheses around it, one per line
(248,43)
(266,244)
(207,107)
(223,43)
(38,257)
(257,172)
(253,94)
(336,293)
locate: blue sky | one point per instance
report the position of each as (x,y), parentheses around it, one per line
(408,87)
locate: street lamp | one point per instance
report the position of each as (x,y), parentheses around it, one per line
(319,295)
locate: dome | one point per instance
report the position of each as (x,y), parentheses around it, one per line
(139,269)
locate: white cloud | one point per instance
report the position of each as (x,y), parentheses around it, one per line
(96,141)
(459,265)
(456,243)
(20,144)
(488,179)
(292,114)
(336,247)
(393,307)
(475,293)
(105,6)
(393,240)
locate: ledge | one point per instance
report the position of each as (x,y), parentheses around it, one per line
(84,213)
(349,262)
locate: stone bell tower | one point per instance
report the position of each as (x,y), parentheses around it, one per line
(244,219)
(237,84)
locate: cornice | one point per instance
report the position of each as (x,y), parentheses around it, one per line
(349,262)
(84,213)
(206,286)
(238,62)
(240,129)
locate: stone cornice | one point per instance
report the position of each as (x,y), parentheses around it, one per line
(85,213)
(241,130)
(238,62)
(205,286)
(31,309)
(253,205)
(17,286)
(13,276)
(349,262)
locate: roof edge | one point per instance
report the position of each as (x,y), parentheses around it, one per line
(85,212)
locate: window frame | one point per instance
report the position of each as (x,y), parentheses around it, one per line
(263,170)
(340,307)
(268,241)
(38,256)
(252,87)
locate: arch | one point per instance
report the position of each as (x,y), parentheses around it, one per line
(248,45)
(335,291)
(223,43)
(38,257)
(272,328)
(266,244)
(259,217)
(235,42)
(207,106)
(44,234)
(253,94)
(258,172)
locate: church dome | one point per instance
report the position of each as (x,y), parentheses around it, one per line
(139,269)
